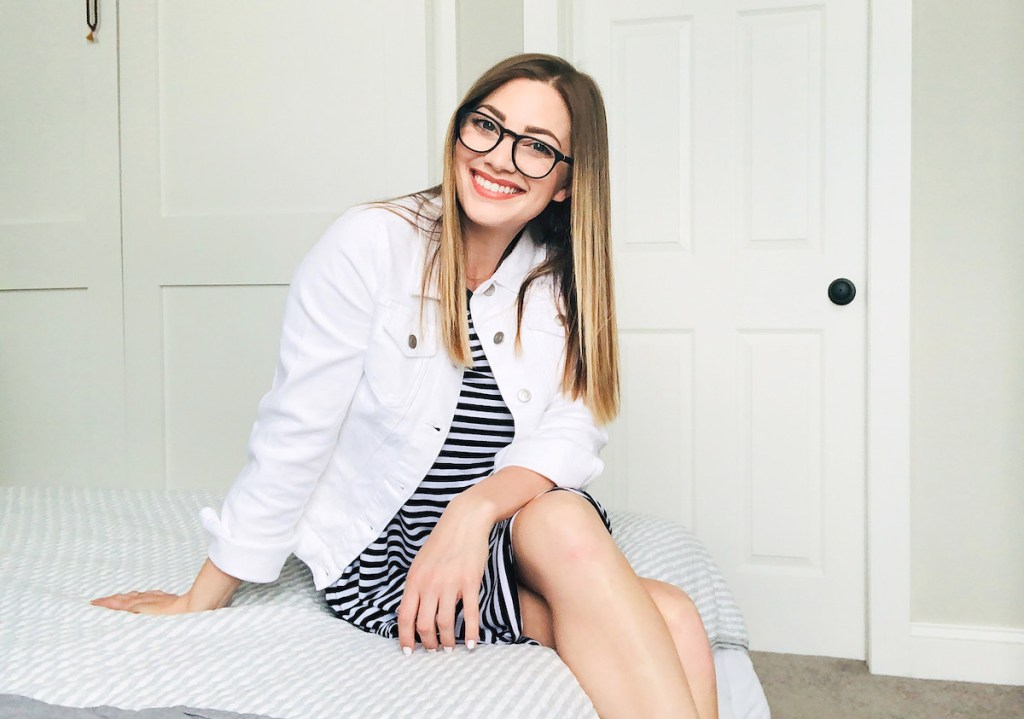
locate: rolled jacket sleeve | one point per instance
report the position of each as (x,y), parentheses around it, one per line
(564,447)
(327,320)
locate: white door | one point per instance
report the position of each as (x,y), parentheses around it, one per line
(738,181)
(246,129)
(61,366)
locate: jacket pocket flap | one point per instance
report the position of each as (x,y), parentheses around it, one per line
(549,322)
(409,337)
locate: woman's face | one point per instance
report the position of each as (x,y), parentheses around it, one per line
(527,107)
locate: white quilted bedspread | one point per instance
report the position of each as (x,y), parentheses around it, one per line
(276,650)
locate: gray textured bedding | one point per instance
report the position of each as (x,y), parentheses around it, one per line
(13,706)
(277,651)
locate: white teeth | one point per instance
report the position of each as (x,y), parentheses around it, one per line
(494,187)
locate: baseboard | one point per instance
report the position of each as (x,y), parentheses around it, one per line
(967,654)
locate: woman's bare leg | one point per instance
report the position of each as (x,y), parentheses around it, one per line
(606,626)
(691,642)
(684,623)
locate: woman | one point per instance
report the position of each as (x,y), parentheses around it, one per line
(446,361)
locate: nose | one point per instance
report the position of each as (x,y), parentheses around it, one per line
(500,157)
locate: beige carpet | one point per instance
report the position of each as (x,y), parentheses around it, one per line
(801,687)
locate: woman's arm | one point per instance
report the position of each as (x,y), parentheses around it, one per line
(212,589)
(564,447)
(328,315)
(500,495)
(326,330)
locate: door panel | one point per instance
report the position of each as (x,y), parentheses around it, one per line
(61,352)
(247,128)
(737,138)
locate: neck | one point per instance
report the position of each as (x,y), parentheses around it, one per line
(484,248)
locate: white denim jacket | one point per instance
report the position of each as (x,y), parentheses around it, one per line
(363,397)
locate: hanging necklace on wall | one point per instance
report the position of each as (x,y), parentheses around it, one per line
(92,18)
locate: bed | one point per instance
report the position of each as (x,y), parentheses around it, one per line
(276,651)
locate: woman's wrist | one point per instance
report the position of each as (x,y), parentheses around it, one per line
(475,508)
(212,589)
(501,495)
(195,603)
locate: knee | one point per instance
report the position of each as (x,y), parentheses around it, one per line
(678,610)
(563,528)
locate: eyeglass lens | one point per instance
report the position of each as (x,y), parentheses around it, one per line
(531,157)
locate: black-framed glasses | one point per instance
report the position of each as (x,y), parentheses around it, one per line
(532,157)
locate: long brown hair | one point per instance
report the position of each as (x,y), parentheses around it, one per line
(576,233)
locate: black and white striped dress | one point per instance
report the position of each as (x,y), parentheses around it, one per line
(370,589)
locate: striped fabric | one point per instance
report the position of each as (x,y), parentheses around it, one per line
(370,589)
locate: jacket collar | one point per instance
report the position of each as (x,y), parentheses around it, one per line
(526,255)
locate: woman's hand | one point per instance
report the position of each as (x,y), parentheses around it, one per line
(449,566)
(152,601)
(211,589)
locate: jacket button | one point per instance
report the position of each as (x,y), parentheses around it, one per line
(489,291)
(524,395)
(499,337)
(412,341)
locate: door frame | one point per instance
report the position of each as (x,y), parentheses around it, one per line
(546,28)
(890,33)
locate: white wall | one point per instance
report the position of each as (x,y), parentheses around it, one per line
(967,314)
(488,31)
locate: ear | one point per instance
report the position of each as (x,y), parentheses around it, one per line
(565,193)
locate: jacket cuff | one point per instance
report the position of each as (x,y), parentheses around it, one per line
(563,462)
(247,561)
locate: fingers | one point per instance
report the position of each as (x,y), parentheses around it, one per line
(471,614)
(146,602)
(446,621)
(117,601)
(407,621)
(426,624)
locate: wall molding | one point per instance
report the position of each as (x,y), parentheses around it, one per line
(547,27)
(443,67)
(969,654)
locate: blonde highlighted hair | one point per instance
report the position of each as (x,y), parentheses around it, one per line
(576,233)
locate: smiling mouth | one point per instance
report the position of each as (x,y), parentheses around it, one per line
(494,187)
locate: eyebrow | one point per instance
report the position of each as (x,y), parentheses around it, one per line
(530,129)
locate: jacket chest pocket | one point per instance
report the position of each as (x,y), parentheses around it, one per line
(548,335)
(398,355)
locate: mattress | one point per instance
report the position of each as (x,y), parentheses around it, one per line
(277,650)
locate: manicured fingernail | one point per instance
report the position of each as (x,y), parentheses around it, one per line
(449,650)
(406,651)
(432,651)
(471,643)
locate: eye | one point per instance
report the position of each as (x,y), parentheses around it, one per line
(482,123)
(538,148)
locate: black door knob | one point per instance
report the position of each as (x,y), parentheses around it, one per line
(842,291)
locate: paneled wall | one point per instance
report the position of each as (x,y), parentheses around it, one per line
(243,135)
(157,189)
(61,344)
